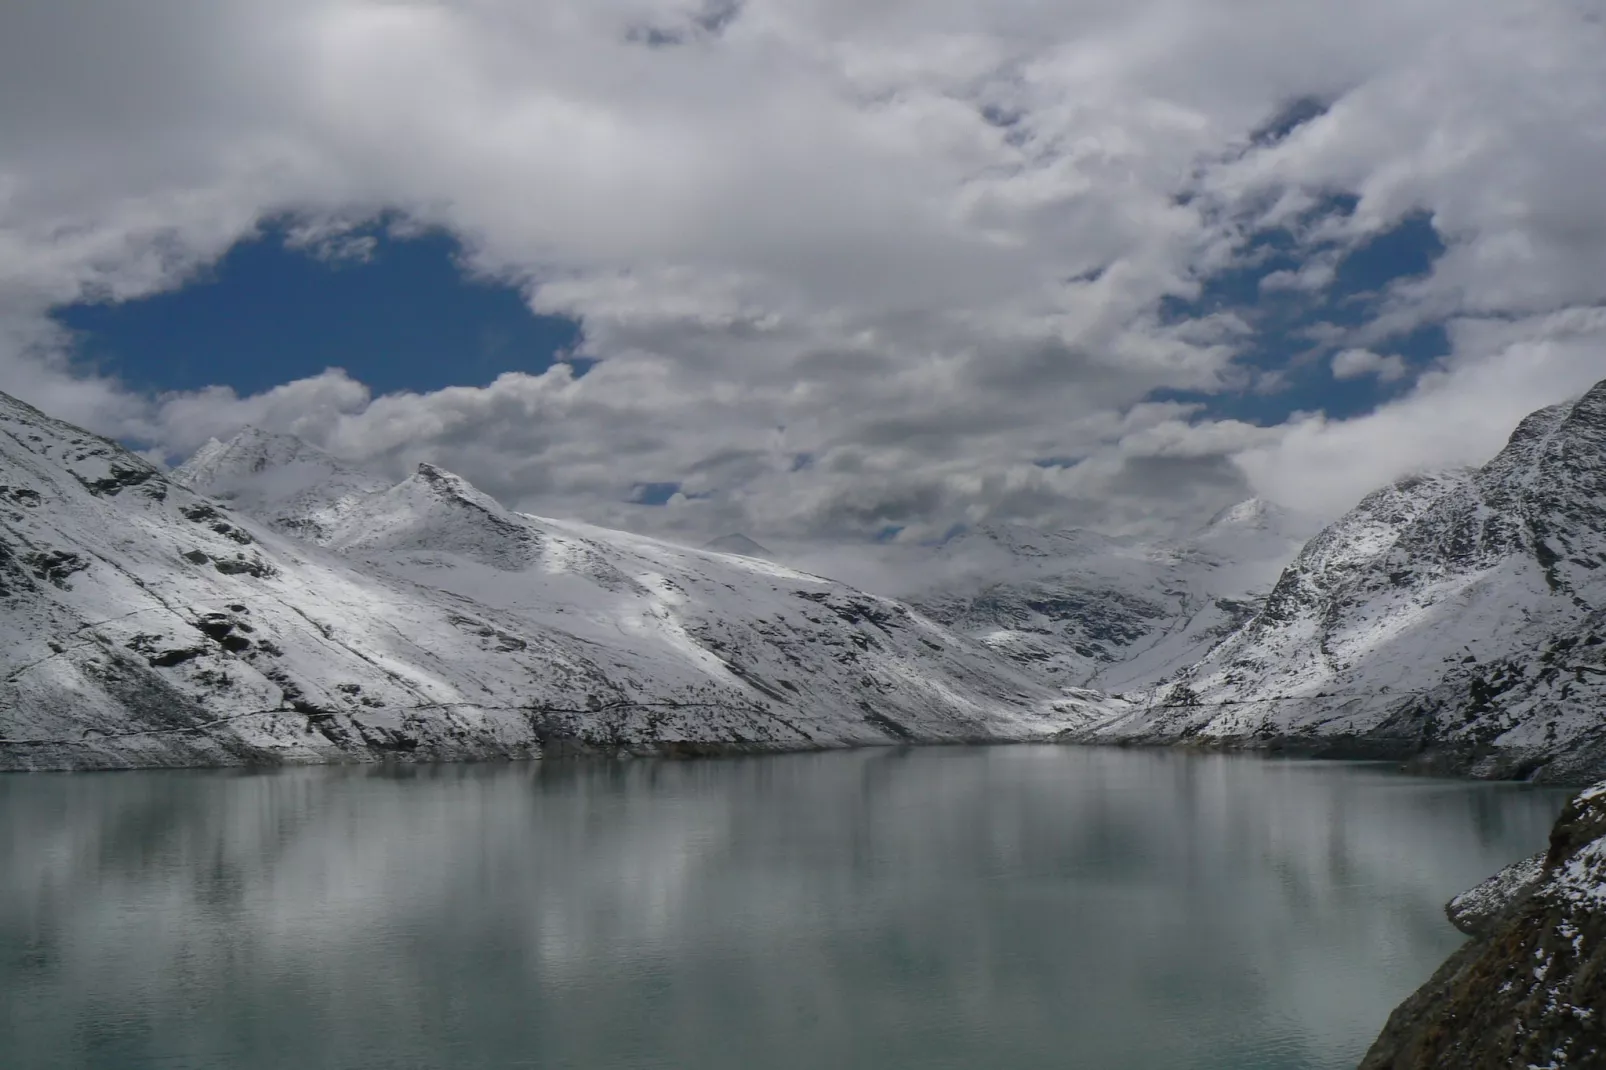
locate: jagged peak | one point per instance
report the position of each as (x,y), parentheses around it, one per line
(1589,410)
(270,465)
(1412,487)
(24,409)
(438,511)
(1539,424)
(252,449)
(450,485)
(1595,396)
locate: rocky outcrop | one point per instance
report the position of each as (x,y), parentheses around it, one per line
(1529,990)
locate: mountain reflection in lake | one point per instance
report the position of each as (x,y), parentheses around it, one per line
(991,907)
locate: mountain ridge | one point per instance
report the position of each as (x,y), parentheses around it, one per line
(147,624)
(1454,619)
(1081,609)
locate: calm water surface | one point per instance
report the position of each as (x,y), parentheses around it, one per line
(991,908)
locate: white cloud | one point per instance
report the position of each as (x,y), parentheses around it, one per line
(1455,416)
(921,242)
(1355,363)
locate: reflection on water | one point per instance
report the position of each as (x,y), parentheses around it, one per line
(994,907)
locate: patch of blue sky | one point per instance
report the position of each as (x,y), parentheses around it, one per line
(1286,358)
(656,494)
(653,493)
(405,318)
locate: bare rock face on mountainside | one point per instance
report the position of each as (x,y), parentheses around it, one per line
(266,603)
(1457,620)
(1529,990)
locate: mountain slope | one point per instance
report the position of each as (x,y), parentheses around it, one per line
(1458,618)
(1080,609)
(142,623)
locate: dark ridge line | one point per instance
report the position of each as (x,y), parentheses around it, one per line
(84,741)
(1328,694)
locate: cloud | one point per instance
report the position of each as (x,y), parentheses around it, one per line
(1355,363)
(1455,415)
(925,243)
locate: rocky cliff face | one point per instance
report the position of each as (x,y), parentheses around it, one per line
(310,612)
(1457,619)
(1530,989)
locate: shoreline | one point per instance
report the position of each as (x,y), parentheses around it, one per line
(1448,762)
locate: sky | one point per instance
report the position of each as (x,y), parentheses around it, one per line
(395,314)
(825,271)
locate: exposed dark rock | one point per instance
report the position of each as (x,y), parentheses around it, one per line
(215,625)
(1529,990)
(497,638)
(886,724)
(240,565)
(120,478)
(55,566)
(229,531)
(166,659)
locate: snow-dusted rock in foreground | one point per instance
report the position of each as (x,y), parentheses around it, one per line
(1457,619)
(143,623)
(1530,989)
(1080,609)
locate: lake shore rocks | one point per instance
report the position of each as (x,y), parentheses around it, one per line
(1529,990)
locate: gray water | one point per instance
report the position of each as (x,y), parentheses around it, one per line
(988,908)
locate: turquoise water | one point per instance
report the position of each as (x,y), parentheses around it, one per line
(990,907)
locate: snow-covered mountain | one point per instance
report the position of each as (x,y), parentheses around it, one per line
(1080,609)
(279,479)
(301,610)
(737,543)
(1458,617)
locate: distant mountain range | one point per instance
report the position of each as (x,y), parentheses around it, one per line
(1080,609)
(266,602)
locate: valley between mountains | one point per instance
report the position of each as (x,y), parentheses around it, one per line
(267,603)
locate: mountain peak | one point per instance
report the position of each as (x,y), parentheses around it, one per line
(220,467)
(437,511)
(737,543)
(288,482)
(452,486)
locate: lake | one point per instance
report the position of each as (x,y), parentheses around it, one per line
(993,907)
